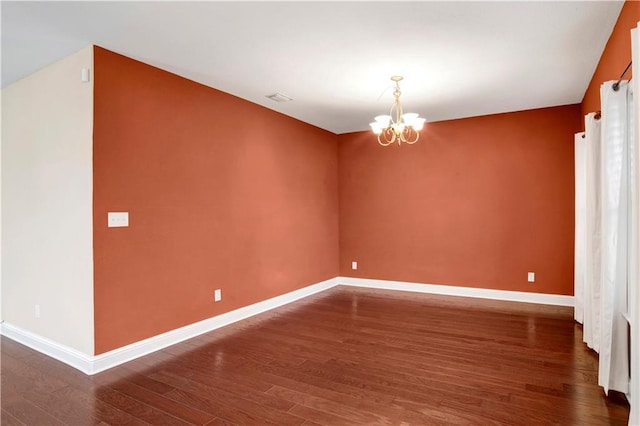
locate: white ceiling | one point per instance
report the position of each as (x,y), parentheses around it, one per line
(459,59)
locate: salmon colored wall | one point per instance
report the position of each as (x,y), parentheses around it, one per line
(477,202)
(222,193)
(615,58)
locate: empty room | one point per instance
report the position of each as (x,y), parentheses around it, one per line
(320,213)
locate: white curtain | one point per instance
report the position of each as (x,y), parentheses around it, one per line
(607,232)
(580,249)
(592,229)
(613,371)
(634,237)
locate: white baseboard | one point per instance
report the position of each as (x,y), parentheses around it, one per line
(70,356)
(482,293)
(95,364)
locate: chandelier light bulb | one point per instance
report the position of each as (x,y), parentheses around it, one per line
(383,120)
(376,127)
(409,118)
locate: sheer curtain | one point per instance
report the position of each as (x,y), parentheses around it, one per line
(613,370)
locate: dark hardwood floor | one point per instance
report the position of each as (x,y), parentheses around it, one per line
(346,356)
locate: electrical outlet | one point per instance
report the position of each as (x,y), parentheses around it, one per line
(217,295)
(37,311)
(117,219)
(354,265)
(531,277)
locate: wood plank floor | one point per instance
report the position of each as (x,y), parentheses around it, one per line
(343,357)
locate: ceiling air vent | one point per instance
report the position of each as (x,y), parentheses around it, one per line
(279,97)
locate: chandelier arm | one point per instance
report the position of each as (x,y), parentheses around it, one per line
(384,139)
(393,112)
(410,135)
(411,142)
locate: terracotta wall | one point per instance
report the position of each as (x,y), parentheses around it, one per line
(477,202)
(222,193)
(616,56)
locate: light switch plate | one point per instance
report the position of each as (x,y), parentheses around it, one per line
(117,219)
(354,265)
(531,277)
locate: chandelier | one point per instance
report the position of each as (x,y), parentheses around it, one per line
(397,126)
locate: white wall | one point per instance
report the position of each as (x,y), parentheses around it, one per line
(47,184)
(1,317)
